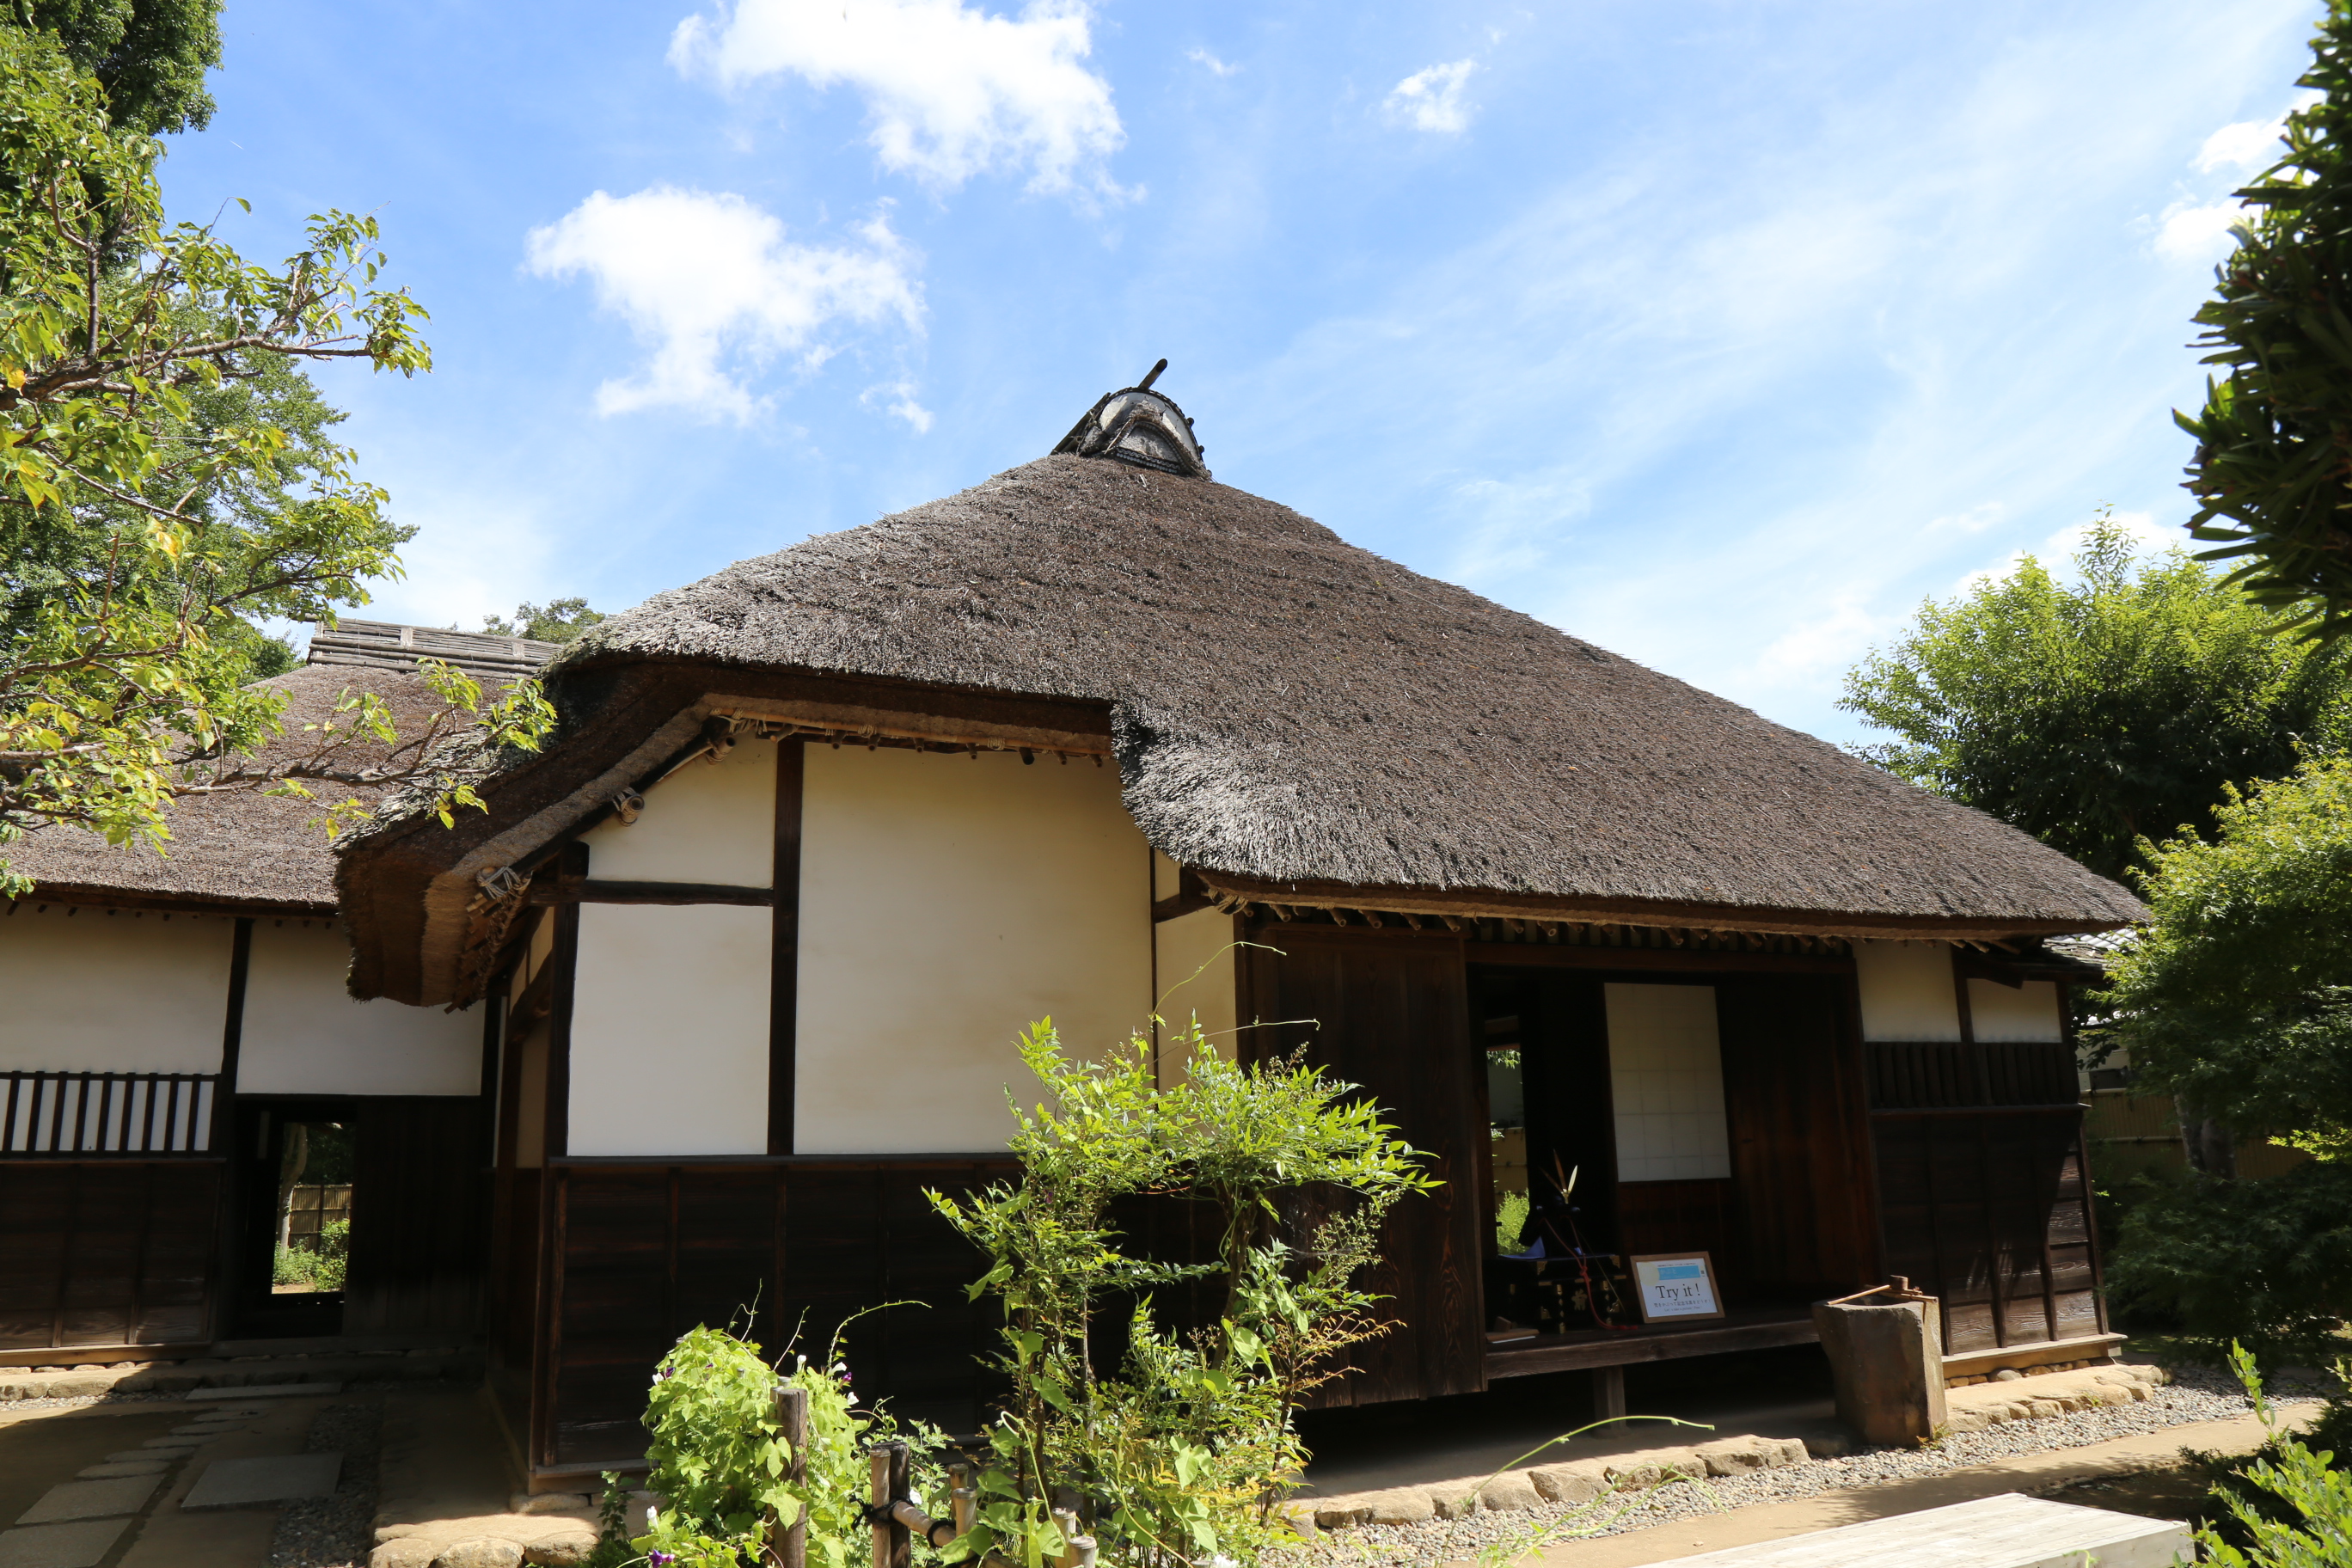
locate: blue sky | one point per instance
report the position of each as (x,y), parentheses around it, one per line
(1719,334)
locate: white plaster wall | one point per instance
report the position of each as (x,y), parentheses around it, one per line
(707,822)
(304,1035)
(1665,1083)
(2027,1013)
(946,904)
(85,991)
(1201,941)
(1907,990)
(669,1029)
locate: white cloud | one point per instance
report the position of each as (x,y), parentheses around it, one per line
(950,90)
(709,281)
(903,403)
(1820,646)
(2242,146)
(1430,99)
(2191,233)
(1976,520)
(1216,67)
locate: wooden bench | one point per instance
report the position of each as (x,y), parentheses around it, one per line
(2011,1531)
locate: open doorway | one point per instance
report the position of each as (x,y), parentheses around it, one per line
(299,1166)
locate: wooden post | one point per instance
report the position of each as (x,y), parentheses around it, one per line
(889,1471)
(963,1498)
(1607,1391)
(791,1416)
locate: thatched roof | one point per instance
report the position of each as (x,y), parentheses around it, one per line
(1288,712)
(247,850)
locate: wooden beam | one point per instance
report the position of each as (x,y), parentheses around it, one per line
(785,962)
(1686,959)
(562,891)
(1597,1350)
(565,964)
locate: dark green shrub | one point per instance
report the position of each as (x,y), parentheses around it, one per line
(2265,1262)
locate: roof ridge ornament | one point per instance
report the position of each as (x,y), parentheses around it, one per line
(1140,428)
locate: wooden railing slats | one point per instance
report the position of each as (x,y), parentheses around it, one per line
(86,1114)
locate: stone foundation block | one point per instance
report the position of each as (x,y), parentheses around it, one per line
(1571,1483)
(565,1550)
(1404,1505)
(1514,1492)
(1649,1467)
(483,1551)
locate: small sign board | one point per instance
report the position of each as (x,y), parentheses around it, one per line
(1674,1286)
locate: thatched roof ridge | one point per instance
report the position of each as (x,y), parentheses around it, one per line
(1288,708)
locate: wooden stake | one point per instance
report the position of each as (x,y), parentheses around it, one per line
(792,1416)
(889,1468)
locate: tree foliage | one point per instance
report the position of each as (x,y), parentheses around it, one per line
(2238,994)
(2272,468)
(1177,1454)
(559,620)
(2095,714)
(167,479)
(149,56)
(2237,999)
(2303,1515)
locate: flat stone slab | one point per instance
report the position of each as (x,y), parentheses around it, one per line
(2011,1531)
(263,1390)
(173,1445)
(60,1545)
(89,1500)
(277,1477)
(117,1469)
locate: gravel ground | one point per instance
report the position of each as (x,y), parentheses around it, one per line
(2196,1394)
(335,1531)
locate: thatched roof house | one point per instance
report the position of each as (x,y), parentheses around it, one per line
(1292,718)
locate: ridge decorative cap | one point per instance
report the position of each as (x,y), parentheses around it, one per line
(1140,427)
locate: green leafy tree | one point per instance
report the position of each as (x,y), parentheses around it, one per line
(559,620)
(149,56)
(2236,998)
(167,481)
(2272,468)
(2097,714)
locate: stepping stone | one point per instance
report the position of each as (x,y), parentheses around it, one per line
(266,1390)
(2011,1531)
(173,1445)
(207,1429)
(60,1545)
(124,1467)
(277,1477)
(89,1500)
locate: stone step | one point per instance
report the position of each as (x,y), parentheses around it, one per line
(252,1372)
(2011,1531)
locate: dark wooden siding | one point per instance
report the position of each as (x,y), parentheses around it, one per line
(1988,1211)
(642,1251)
(1390,1011)
(108,1253)
(420,1206)
(1794,1099)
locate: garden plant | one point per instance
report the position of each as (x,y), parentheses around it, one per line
(1177,1451)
